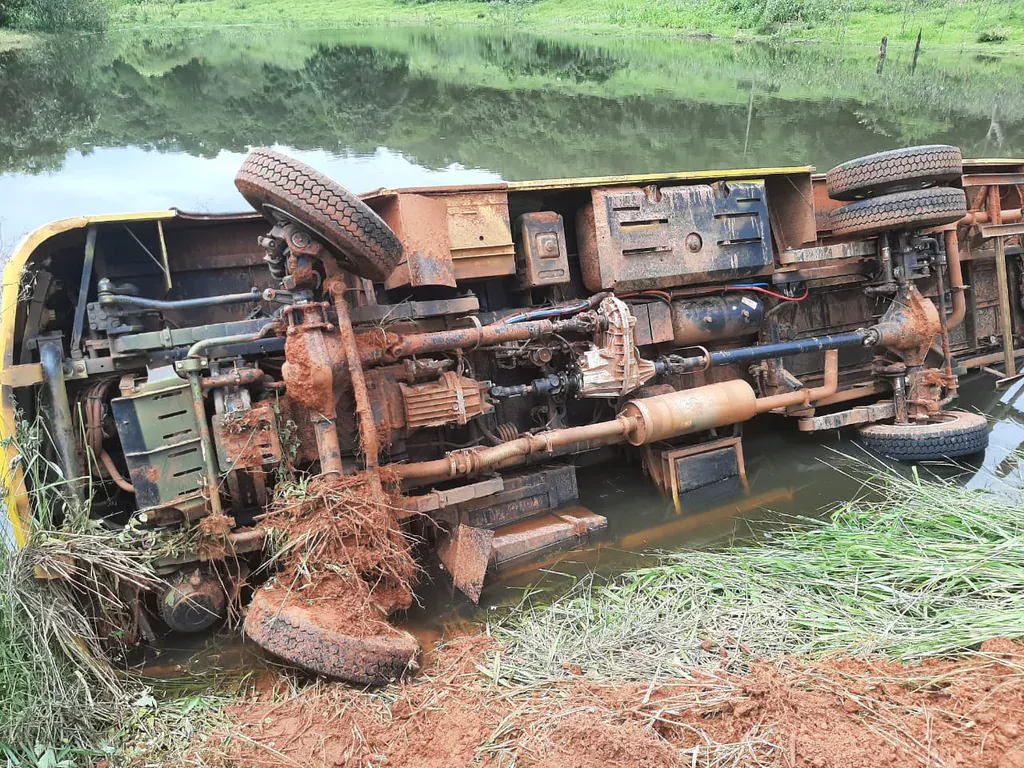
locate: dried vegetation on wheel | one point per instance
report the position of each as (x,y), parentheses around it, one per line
(342,566)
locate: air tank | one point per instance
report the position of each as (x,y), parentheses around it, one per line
(704,319)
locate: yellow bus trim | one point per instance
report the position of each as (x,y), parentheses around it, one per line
(11,475)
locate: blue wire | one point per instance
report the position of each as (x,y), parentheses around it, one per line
(542,313)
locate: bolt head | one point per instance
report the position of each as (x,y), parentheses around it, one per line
(548,244)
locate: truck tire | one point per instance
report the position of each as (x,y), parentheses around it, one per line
(276,184)
(894,171)
(291,631)
(952,434)
(919,209)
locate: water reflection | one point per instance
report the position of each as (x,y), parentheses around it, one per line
(169,115)
(1002,472)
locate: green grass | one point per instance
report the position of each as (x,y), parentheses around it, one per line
(57,692)
(944,22)
(62,610)
(11,40)
(53,691)
(932,570)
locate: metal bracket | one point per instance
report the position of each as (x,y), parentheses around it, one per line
(1000,230)
(26,375)
(864,414)
(190,364)
(83,293)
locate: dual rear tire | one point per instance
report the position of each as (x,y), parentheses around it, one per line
(903,189)
(899,189)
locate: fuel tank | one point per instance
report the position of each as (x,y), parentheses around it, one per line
(704,319)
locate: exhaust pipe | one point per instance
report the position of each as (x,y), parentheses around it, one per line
(641,422)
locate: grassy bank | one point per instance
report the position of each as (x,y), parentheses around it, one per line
(932,570)
(943,22)
(11,40)
(859,619)
(879,638)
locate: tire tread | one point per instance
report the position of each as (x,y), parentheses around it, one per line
(885,171)
(291,635)
(351,226)
(965,435)
(900,210)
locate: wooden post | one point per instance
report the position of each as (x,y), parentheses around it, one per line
(750,115)
(881,55)
(995,218)
(917,50)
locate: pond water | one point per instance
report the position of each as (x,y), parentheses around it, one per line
(164,118)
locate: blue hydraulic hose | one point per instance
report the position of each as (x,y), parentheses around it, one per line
(540,314)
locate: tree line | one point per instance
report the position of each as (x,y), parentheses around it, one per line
(53,15)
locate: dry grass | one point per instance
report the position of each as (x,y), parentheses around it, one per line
(59,694)
(337,528)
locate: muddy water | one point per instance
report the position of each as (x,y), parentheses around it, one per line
(157,119)
(790,475)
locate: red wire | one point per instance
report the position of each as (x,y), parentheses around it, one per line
(665,296)
(765,291)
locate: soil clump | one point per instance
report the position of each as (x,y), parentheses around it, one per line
(337,531)
(794,712)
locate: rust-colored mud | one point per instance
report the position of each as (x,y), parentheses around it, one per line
(373,345)
(214,530)
(314,369)
(248,437)
(300,443)
(342,605)
(334,530)
(217,526)
(836,714)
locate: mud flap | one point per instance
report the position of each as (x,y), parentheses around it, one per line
(465,555)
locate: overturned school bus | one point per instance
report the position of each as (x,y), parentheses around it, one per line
(455,352)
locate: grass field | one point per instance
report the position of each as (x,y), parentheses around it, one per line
(9,40)
(943,22)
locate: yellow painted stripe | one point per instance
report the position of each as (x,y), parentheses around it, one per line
(605,181)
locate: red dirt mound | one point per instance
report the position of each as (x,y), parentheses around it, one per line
(837,713)
(339,529)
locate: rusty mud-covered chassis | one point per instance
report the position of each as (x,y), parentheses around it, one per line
(464,333)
